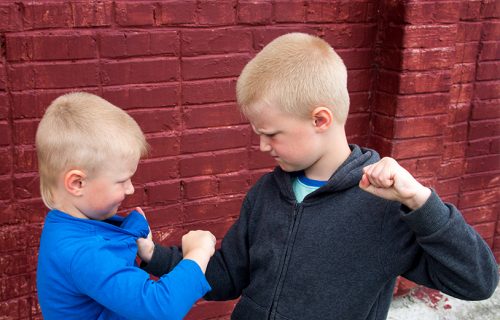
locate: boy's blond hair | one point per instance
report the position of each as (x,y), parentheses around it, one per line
(298,72)
(83,131)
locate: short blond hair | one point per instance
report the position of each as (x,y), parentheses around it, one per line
(83,131)
(298,72)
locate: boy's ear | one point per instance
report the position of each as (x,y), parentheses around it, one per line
(74,181)
(322,118)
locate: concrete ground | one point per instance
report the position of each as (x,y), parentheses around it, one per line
(420,305)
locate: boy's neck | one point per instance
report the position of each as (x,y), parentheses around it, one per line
(337,151)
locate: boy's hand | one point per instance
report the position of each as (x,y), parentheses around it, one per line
(199,246)
(388,180)
(145,246)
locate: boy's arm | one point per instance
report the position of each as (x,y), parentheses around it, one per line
(128,290)
(227,271)
(428,241)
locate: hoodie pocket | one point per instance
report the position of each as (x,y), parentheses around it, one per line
(246,309)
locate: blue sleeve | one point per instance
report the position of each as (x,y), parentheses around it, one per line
(435,247)
(128,290)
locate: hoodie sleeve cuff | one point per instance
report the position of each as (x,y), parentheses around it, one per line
(429,218)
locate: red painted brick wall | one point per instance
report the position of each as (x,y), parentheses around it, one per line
(424,80)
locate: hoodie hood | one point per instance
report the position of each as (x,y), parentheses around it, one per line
(346,176)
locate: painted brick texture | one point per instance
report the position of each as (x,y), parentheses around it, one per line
(424,81)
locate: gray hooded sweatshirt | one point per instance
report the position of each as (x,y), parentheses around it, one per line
(337,254)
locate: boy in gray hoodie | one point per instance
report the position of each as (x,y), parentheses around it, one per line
(326,234)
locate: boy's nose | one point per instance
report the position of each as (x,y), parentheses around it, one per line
(129,189)
(264,144)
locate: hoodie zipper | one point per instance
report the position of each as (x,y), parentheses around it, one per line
(297,207)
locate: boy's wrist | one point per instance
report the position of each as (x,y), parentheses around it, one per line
(419,199)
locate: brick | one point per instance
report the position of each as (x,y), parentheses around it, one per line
(157,95)
(3,78)
(156,170)
(411,105)
(419,127)
(114,44)
(454,150)
(468,31)
(487,90)
(480,181)
(483,110)
(467,52)
(424,82)
(39,46)
(427,36)
(25,159)
(357,58)
(481,214)
(215,41)
(202,140)
(163,193)
(470,10)
(233,183)
(490,51)
(216,12)
(483,163)
(140,71)
(10,17)
(350,36)
(491,31)
(422,167)
(479,198)
(491,9)
(178,12)
(262,37)
(260,160)
(359,80)
(480,147)
(92,13)
(418,147)
(427,59)
(27,186)
(159,120)
(5,138)
(196,68)
(450,186)
(390,83)
(6,194)
(213,163)
(451,169)
(202,92)
(456,132)
(221,310)
(459,113)
(461,93)
(17,308)
(383,125)
(253,12)
(199,187)
(289,11)
(432,12)
(56,14)
(358,125)
(12,239)
(135,13)
(463,73)
(212,116)
(163,145)
(6,161)
(484,129)
(212,208)
(359,102)
(488,71)
(24,131)
(53,75)
(165,216)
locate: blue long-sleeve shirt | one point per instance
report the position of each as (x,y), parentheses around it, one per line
(87,270)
